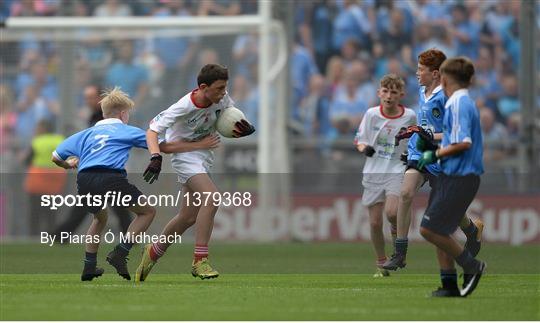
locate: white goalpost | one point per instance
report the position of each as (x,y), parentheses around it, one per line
(272,146)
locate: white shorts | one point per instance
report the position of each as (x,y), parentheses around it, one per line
(377,188)
(191,163)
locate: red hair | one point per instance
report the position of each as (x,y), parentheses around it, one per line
(432,58)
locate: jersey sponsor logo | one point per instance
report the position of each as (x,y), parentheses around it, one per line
(202,131)
(436,112)
(191,121)
(197,118)
(156,118)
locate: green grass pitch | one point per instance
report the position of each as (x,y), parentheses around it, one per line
(281,281)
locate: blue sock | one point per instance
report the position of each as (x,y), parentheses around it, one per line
(467,262)
(125,246)
(401,245)
(449,278)
(90,259)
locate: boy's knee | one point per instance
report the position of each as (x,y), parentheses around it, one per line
(406,195)
(188,218)
(100,218)
(149,212)
(191,220)
(425,232)
(392,217)
(152,212)
(212,208)
(376,224)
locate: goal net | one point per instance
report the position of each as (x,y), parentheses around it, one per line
(50,63)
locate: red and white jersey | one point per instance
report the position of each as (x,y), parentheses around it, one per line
(184,120)
(379,130)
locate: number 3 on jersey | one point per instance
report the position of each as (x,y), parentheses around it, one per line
(102,142)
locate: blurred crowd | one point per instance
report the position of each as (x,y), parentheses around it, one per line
(341,49)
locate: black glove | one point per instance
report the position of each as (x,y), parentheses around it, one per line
(403,157)
(151,173)
(425,140)
(402,134)
(243,128)
(369,151)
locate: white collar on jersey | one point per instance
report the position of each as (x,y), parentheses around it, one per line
(435,91)
(108,121)
(455,96)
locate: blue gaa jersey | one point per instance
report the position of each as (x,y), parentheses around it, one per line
(462,124)
(105,145)
(430,116)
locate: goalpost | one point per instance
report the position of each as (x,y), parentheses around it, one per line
(272,146)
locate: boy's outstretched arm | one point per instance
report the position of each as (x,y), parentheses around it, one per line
(152,142)
(453,149)
(209,142)
(67,164)
(151,173)
(67,154)
(431,156)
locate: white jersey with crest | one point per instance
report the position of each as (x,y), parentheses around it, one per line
(379,130)
(184,120)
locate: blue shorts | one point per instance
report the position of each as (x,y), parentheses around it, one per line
(428,177)
(99,181)
(449,201)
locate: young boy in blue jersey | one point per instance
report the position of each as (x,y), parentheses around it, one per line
(460,157)
(430,118)
(101,153)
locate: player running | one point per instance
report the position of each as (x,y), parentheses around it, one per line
(383,170)
(102,152)
(430,121)
(191,118)
(460,158)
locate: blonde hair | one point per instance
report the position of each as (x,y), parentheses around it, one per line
(392,81)
(114,101)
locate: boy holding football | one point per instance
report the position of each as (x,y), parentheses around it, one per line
(430,122)
(383,170)
(190,119)
(460,157)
